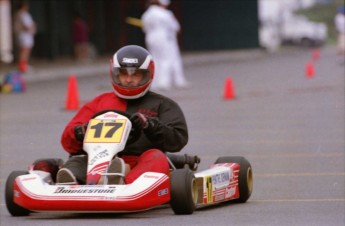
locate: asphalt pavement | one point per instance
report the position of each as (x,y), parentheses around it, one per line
(289,126)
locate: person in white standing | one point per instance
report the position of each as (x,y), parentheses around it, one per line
(25,29)
(339,22)
(161,27)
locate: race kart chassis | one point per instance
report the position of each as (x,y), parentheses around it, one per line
(229,178)
(35,190)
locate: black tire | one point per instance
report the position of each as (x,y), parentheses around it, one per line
(12,207)
(183,191)
(245,178)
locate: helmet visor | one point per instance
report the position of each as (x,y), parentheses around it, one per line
(130,77)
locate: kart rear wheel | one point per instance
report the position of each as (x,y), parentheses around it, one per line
(184,192)
(12,207)
(245,178)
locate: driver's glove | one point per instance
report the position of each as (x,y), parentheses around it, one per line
(139,121)
(79,132)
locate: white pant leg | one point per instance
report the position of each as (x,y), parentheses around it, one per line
(162,77)
(177,67)
(178,73)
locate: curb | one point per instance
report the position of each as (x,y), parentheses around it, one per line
(62,68)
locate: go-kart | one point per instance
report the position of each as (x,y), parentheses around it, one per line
(36,190)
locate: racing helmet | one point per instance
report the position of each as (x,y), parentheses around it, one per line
(131,60)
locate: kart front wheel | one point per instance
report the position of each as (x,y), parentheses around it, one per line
(245,178)
(184,192)
(12,207)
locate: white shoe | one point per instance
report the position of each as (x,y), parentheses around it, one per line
(65,176)
(116,171)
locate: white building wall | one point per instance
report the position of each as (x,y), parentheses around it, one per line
(6,52)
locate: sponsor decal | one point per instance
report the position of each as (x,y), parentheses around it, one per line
(219,198)
(148,112)
(230,192)
(163,192)
(220,178)
(63,190)
(30,178)
(209,188)
(151,176)
(130,60)
(102,154)
(110,115)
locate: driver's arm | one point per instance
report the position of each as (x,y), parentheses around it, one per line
(68,140)
(168,131)
(104,101)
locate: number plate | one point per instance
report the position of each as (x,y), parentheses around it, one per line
(105,131)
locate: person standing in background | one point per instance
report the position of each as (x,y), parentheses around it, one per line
(339,22)
(80,37)
(161,27)
(25,29)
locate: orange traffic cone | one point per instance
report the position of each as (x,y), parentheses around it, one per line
(315,54)
(72,102)
(229,91)
(309,70)
(22,66)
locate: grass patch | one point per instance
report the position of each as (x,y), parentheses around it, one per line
(324,13)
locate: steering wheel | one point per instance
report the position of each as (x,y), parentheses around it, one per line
(134,134)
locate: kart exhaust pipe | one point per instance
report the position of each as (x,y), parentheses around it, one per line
(182,161)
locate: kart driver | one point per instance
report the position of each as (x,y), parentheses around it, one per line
(161,122)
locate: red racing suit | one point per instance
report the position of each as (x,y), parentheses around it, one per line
(170,132)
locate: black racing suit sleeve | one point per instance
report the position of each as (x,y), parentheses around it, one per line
(167,129)
(168,132)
